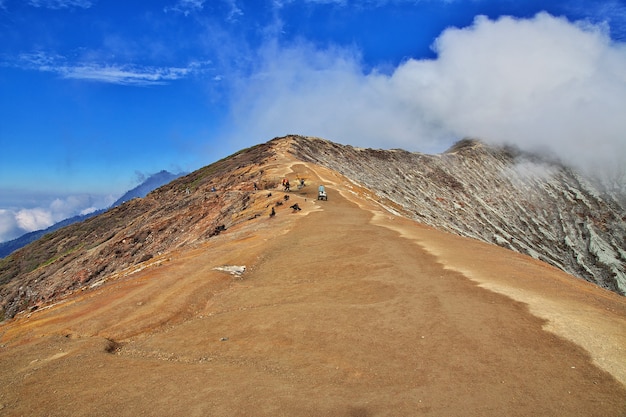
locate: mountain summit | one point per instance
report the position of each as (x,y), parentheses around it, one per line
(224,293)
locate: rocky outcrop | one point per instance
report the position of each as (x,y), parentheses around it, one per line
(503,196)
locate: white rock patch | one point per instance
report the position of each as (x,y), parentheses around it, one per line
(232,269)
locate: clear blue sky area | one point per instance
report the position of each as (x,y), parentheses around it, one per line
(95,95)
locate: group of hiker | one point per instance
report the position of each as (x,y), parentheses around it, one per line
(287,187)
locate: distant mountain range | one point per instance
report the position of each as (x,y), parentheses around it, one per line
(153,182)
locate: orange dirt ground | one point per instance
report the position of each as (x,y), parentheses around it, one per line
(344,310)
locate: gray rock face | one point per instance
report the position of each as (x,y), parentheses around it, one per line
(501,196)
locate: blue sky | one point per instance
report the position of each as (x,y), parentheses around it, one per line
(95,95)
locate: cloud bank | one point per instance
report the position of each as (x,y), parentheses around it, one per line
(542,84)
(14,222)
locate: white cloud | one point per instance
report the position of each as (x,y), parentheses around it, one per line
(33,219)
(9,228)
(123,74)
(15,222)
(611,12)
(186,7)
(322,93)
(234,11)
(536,83)
(88,210)
(61,4)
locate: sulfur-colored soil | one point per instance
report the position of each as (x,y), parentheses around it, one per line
(344,310)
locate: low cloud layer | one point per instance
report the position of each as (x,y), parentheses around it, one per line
(542,84)
(15,222)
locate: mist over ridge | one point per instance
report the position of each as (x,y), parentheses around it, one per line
(543,84)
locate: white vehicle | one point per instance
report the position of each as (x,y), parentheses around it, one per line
(321,193)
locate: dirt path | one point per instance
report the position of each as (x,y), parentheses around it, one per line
(335,316)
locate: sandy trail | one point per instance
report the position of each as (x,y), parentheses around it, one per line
(335,316)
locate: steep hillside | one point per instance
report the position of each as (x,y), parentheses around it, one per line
(502,196)
(183,212)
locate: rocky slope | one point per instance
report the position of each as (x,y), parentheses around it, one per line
(127,237)
(497,196)
(502,196)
